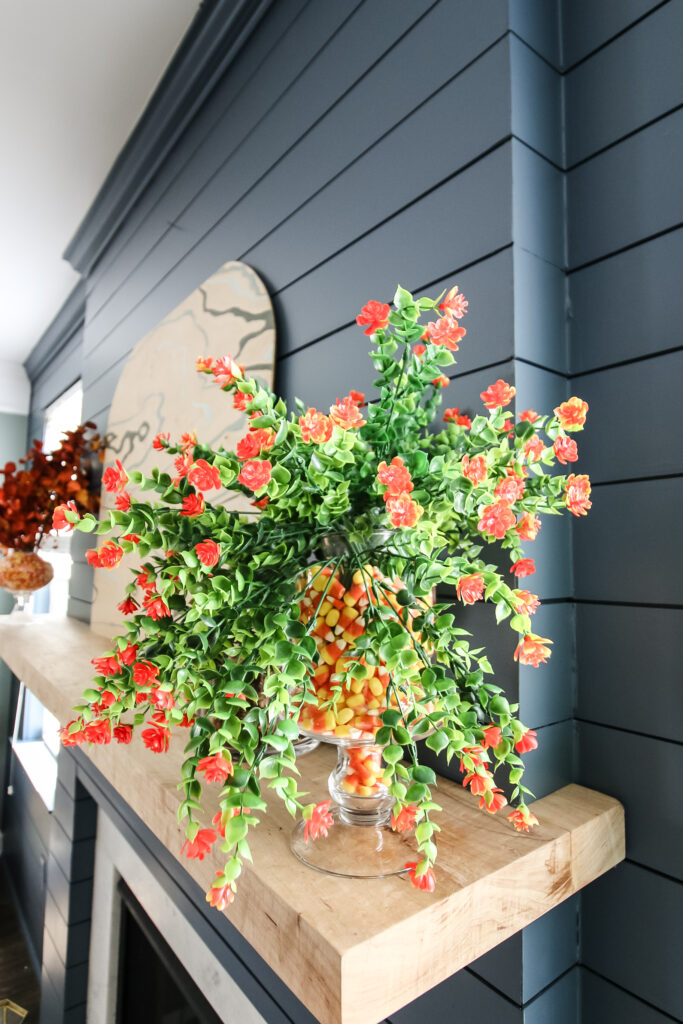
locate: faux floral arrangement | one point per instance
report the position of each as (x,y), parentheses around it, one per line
(30,495)
(235,637)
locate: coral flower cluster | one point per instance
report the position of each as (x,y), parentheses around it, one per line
(239,630)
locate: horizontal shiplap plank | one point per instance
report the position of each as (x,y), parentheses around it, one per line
(546,693)
(58,375)
(331,295)
(626,912)
(384,179)
(587,25)
(601,1001)
(383,80)
(626,194)
(613,662)
(614,446)
(603,327)
(623,546)
(277,53)
(635,79)
(624,766)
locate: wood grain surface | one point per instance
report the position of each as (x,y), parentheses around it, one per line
(353,951)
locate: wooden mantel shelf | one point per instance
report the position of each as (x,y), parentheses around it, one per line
(353,951)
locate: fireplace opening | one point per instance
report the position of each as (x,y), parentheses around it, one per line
(153,985)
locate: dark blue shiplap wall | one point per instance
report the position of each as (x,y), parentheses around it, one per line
(624,88)
(355,144)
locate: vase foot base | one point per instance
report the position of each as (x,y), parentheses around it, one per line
(355,851)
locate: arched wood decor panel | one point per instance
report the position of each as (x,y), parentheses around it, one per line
(159,391)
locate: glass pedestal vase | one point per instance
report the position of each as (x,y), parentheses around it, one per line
(361,842)
(21,574)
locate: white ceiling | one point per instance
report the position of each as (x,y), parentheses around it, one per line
(75,75)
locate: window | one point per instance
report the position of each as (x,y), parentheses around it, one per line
(35,743)
(62,415)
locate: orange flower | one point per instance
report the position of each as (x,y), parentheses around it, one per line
(320,820)
(454,304)
(106,557)
(255,474)
(106,666)
(526,603)
(492,735)
(497,395)
(534,448)
(115,477)
(144,673)
(203,364)
(204,476)
(156,738)
(216,768)
(345,413)
(374,316)
(510,489)
(455,416)
(493,800)
(59,520)
(395,477)
(496,520)
(240,401)
(470,588)
(200,845)
(528,526)
(474,469)
(425,880)
(577,490)
(123,733)
(193,505)
(523,819)
(566,450)
(404,821)
(160,442)
(208,552)
(532,650)
(155,606)
(122,502)
(572,413)
(529,416)
(445,332)
(128,606)
(403,511)
(441,381)
(226,370)
(524,567)
(220,896)
(315,427)
(526,742)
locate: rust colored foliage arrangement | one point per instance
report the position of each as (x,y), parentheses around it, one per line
(224,651)
(32,491)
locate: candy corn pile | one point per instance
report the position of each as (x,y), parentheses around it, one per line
(348,709)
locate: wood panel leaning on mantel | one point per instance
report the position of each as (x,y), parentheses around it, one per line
(340,944)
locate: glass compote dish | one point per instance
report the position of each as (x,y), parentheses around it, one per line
(352,689)
(22,573)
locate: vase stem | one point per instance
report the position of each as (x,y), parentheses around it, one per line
(357,788)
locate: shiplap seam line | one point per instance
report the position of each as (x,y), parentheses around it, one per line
(624,248)
(631,732)
(122,239)
(627,604)
(254,184)
(627,991)
(636,479)
(628,362)
(624,138)
(617,35)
